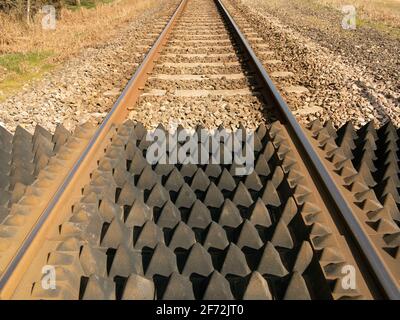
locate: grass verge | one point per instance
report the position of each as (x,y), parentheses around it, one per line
(27,52)
(16,69)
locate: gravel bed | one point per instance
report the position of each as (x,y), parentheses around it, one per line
(210,112)
(209,84)
(337,88)
(86,86)
(229,108)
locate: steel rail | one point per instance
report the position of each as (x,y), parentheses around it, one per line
(381,271)
(116,115)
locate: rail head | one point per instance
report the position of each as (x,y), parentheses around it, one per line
(381,271)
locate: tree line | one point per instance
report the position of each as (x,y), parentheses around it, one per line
(27,9)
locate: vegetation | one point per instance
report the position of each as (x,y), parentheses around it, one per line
(27,51)
(28,9)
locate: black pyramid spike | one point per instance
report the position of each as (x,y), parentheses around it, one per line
(289,211)
(216,237)
(260,214)
(253,182)
(214,198)
(5,139)
(304,257)
(368,129)
(331,129)
(261,131)
(149,236)
(99,288)
(262,167)
(162,262)
(235,262)
(297,288)
(277,177)
(213,170)
(242,197)
(270,262)
(226,181)
(138,163)
(131,292)
(186,197)
(268,151)
(390,204)
(257,288)
(392,158)
(365,172)
(175,181)
(169,216)
(347,133)
(315,125)
(131,150)
(369,144)
(347,147)
(93,260)
(387,129)
(331,255)
(257,144)
(218,288)
(230,215)
(200,181)
(109,210)
(270,195)
(388,186)
(139,214)
(179,287)
(282,237)
(21,134)
(158,196)
(200,216)
(116,234)
(140,131)
(120,174)
(198,262)
(386,226)
(145,144)
(183,237)
(249,237)
(126,262)
(188,170)
(164,169)
(60,137)
(148,178)
(391,170)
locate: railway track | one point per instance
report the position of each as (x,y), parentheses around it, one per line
(317,218)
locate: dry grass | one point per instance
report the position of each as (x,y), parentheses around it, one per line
(75,29)
(26,52)
(379,14)
(383,12)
